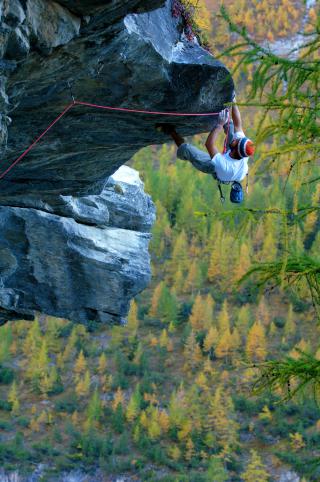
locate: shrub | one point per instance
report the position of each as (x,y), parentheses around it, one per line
(5,425)
(10,452)
(23,422)
(68,403)
(279,321)
(243,404)
(6,375)
(121,445)
(45,448)
(4,405)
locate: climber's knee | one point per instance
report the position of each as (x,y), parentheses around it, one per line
(183,152)
(188,152)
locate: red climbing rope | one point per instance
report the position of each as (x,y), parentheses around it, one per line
(96,106)
(152,112)
(37,140)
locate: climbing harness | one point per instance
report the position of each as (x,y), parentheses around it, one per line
(75,103)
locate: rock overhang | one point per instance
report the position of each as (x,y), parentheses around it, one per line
(146,64)
(73,240)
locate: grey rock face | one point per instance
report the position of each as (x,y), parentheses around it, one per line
(85,263)
(73,241)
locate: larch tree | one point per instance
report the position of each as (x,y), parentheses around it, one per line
(243,263)
(202,381)
(296,441)
(94,410)
(269,248)
(235,341)
(192,353)
(33,340)
(179,257)
(223,319)
(80,365)
(70,347)
(133,322)
(118,399)
(38,370)
(211,339)
(83,384)
(227,262)
(134,405)
(256,346)
(102,364)
(5,343)
(214,269)
(161,232)
(243,320)
(163,340)
(255,470)
(190,450)
(224,346)
(193,279)
(164,421)
(52,333)
(198,313)
(153,425)
(164,304)
(177,408)
(208,307)
(216,471)
(153,312)
(13,399)
(220,420)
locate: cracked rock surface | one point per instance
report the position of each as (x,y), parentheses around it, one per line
(84,263)
(71,244)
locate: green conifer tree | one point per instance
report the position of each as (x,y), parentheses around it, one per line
(255,471)
(13,399)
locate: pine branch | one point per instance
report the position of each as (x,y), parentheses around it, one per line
(289,272)
(291,375)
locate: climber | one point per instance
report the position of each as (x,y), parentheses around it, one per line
(230,166)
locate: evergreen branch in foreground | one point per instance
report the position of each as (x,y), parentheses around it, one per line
(290,271)
(290,375)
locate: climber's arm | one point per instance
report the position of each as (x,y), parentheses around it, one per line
(236,117)
(211,141)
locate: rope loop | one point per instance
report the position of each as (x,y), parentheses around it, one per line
(105,107)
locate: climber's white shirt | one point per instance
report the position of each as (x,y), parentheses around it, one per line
(229,169)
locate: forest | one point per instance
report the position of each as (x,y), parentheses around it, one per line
(197,386)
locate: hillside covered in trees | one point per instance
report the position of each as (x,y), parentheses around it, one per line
(173,395)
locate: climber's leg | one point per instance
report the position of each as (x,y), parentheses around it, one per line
(179,140)
(187,152)
(230,132)
(170,130)
(198,158)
